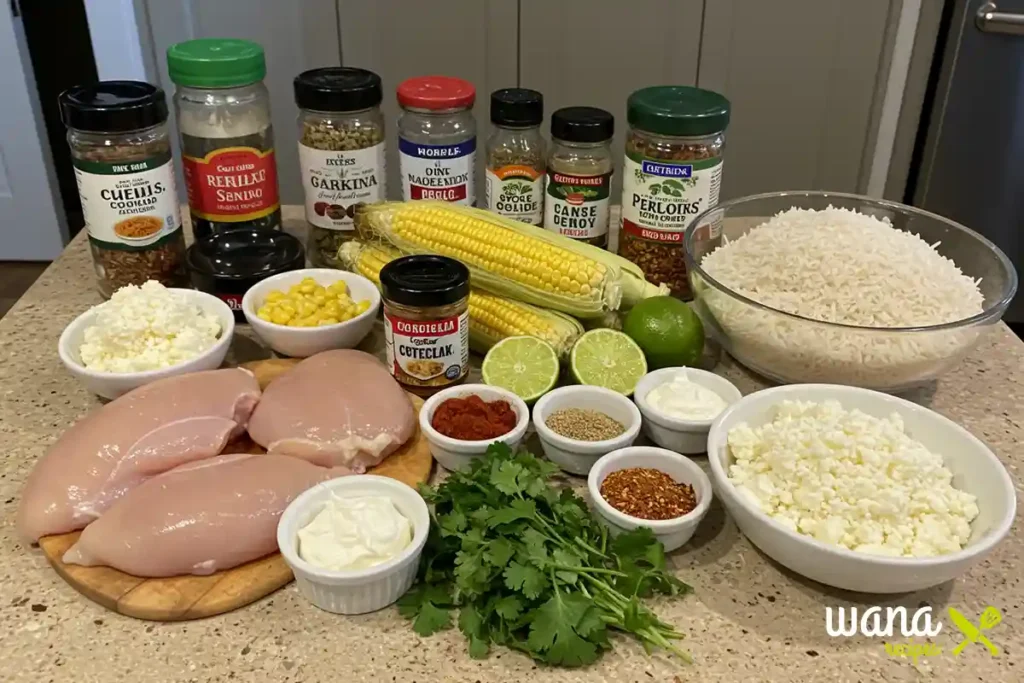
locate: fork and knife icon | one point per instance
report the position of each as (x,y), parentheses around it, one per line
(990,618)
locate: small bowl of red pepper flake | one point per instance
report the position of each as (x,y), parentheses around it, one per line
(651,487)
(461,422)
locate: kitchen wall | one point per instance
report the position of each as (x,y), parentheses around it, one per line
(808,79)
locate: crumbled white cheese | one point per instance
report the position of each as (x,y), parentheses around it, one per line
(849,479)
(146,328)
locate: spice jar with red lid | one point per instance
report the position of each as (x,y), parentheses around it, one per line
(437,139)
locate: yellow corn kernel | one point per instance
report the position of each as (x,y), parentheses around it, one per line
(362,306)
(280,317)
(275,295)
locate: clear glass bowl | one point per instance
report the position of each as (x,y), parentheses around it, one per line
(790,348)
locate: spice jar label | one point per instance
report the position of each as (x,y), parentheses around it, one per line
(516,192)
(232,184)
(577,206)
(336,181)
(427,352)
(660,198)
(128,205)
(443,172)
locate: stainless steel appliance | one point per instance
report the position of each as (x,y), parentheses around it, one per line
(972,168)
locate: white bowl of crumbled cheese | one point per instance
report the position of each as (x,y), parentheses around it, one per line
(858,489)
(143,334)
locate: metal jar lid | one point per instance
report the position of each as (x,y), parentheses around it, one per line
(424,281)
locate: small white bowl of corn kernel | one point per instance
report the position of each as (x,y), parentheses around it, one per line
(303,312)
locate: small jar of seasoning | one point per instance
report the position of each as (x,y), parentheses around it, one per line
(121,152)
(227,263)
(426,321)
(437,139)
(341,153)
(580,174)
(227,140)
(515,156)
(673,172)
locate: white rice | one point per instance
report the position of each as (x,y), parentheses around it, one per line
(840,266)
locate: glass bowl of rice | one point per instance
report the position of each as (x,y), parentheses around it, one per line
(837,288)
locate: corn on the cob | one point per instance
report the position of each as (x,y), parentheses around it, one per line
(491,317)
(511,258)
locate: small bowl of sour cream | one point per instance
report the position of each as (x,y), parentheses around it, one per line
(354,543)
(678,406)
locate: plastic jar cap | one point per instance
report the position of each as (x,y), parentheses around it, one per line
(678,110)
(216,63)
(424,280)
(337,88)
(436,92)
(113,106)
(517,107)
(582,124)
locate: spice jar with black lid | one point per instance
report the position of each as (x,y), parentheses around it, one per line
(227,263)
(673,173)
(515,156)
(121,152)
(579,177)
(341,153)
(426,321)
(437,139)
(227,140)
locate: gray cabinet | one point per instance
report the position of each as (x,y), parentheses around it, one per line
(805,77)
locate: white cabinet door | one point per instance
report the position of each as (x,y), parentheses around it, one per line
(31,229)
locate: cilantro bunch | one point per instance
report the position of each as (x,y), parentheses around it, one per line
(526,566)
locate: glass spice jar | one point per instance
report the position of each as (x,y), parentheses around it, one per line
(121,153)
(227,140)
(515,156)
(437,139)
(579,174)
(341,153)
(426,321)
(672,173)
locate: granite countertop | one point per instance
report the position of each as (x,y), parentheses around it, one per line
(749,619)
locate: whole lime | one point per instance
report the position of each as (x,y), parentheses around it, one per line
(667,330)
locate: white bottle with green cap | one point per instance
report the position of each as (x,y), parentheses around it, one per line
(227,139)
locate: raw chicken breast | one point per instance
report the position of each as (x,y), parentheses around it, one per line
(141,434)
(198,518)
(334,408)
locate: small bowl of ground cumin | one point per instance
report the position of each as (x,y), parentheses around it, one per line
(651,487)
(461,422)
(580,423)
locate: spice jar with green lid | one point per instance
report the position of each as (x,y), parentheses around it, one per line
(672,173)
(121,152)
(341,153)
(227,140)
(515,155)
(579,176)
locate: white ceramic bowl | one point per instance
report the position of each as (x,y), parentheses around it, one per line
(681,436)
(975,469)
(300,342)
(113,384)
(672,533)
(362,590)
(456,454)
(572,455)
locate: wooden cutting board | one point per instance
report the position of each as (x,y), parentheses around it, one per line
(181,598)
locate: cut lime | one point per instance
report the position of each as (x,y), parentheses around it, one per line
(526,366)
(608,358)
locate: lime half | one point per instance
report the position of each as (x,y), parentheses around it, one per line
(526,366)
(608,358)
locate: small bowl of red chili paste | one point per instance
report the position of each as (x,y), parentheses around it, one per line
(651,487)
(462,421)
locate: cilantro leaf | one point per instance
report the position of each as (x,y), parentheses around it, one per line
(553,631)
(453,523)
(517,509)
(473,626)
(431,619)
(526,579)
(509,608)
(499,552)
(505,477)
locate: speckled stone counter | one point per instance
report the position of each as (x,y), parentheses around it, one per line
(749,619)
